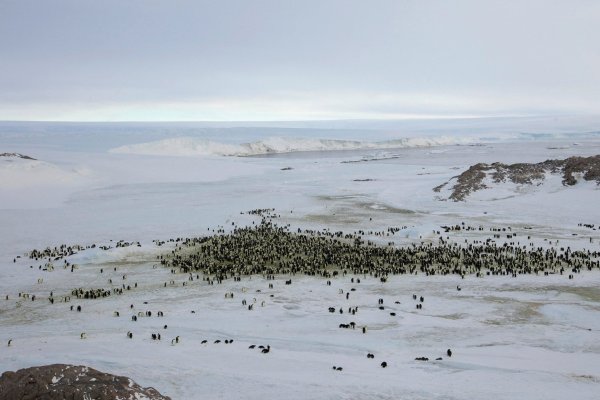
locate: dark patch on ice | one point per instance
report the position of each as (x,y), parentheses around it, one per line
(369,159)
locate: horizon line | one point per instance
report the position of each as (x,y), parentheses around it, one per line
(411,118)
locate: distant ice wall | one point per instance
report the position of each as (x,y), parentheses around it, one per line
(189,146)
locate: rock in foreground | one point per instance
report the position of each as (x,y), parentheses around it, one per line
(60,381)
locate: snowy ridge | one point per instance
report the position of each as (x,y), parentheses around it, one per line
(30,183)
(18,171)
(195,146)
(189,146)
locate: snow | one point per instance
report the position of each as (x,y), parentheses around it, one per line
(16,172)
(491,337)
(533,337)
(22,179)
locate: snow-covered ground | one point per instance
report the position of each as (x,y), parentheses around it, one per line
(526,337)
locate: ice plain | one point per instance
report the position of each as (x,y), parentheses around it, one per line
(527,337)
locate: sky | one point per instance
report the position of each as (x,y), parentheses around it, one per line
(251,60)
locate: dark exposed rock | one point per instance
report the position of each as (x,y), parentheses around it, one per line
(16,155)
(472,179)
(60,381)
(589,167)
(469,181)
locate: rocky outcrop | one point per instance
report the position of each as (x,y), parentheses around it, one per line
(16,155)
(60,381)
(473,179)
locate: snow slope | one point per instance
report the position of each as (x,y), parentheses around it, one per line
(26,182)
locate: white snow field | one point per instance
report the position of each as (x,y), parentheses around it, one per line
(530,337)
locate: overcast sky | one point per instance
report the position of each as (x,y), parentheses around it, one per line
(282,60)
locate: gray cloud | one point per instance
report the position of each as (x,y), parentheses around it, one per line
(116,59)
